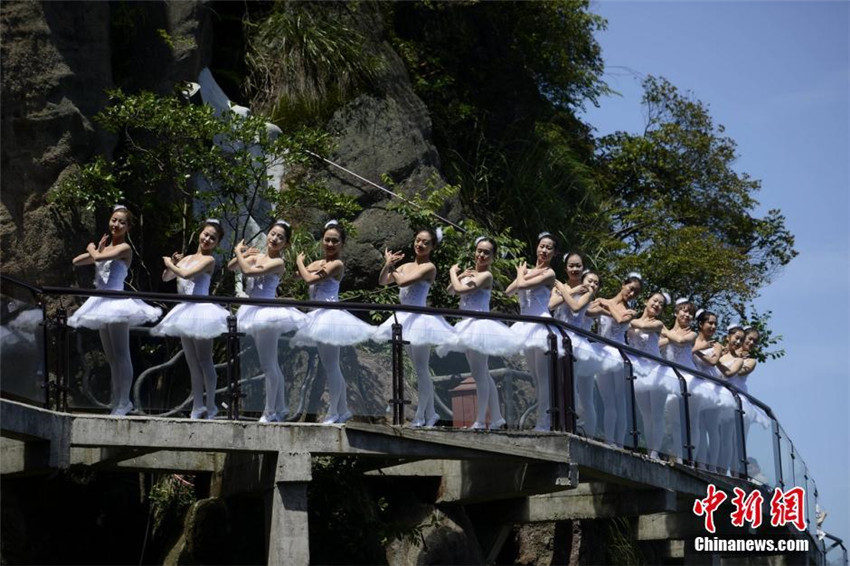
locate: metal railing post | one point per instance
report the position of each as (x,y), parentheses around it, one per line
(685,421)
(234,391)
(555,412)
(739,432)
(63,361)
(398,401)
(45,361)
(568,384)
(631,379)
(777,454)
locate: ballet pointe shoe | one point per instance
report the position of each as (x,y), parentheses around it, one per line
(346,416)
(198,414)
(122,410)
(477,425)
(211,413)
(431,422)
(417,423)
(498,424)
(331,419)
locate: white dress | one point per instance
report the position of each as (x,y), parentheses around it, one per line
(592,354)
(616,331)
(708,391)
(251,319)
(532,335)
(97,312)
(201,321)
(650,374)
(331,326)
(418,329)
(751,412)
(485,336)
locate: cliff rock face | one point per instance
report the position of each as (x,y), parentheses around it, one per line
(58,60)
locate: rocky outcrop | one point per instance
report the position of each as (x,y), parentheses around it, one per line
(58,61)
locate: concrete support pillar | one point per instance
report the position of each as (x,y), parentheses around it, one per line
(288,533)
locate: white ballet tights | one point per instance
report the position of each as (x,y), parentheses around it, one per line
(488,396)
(651,402)
(116,345)
(728,444)
(336,383)
(538,364)
(199,357)
(612,389)
(266,342)
(421,357)
(585,408)
(674,420)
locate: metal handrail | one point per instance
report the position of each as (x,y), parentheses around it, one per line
(552,323)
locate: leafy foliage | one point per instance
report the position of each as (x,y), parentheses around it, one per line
(306,58)
(680,213)
(179,163)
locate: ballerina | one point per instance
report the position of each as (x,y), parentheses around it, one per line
(570,302)
(196,324)
(265,324)
(422,331)
(654,381)
(112,317)
(481,338)
(707,354)
(328,329)
(615,317)
(534,287)
(736,357)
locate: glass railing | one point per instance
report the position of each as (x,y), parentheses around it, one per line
(629,398)
(22,349)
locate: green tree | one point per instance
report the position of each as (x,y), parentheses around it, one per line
(682,215)
(177,163)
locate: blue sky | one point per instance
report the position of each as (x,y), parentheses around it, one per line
(775,74)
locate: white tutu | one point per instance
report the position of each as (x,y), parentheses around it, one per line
(754,414)
(98,312)
(420,330)
(486,336)
(28,321)
(193,320)
(591,355)
(257,318)
(333,327)
(533,335)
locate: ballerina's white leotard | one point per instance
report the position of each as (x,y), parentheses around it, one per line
(535,302)
(202,321)
(418,329)
(650,374)
(331,326)
(486,336)
(256,318)
(592,354)
(98,312)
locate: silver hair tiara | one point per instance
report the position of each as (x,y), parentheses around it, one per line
(330,223)
(666,296)
(636,275)
(542,235)
(282,222)
(746,328)
(119,207)
(733,326)
(212,221)
(698,313)
(480,239)
(682,300)
(439,234)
